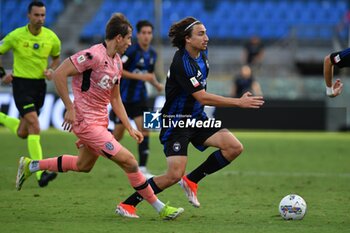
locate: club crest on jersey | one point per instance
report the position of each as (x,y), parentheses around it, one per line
(176,146)
(194,81)
(109,146)
(81,59)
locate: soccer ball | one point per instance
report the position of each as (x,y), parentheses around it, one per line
(292,207)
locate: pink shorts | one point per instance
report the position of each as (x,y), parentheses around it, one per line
(97,139)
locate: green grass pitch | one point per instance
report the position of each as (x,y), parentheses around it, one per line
(243,197)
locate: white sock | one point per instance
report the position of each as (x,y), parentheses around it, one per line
(158,205)
(34,166)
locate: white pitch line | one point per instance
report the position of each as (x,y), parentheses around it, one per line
(287,174)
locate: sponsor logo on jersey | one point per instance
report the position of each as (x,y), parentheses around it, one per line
(194,82)
(81,59)
(337,59)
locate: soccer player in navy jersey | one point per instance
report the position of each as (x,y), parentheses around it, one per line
(340,59)
(186,97)
(138,67)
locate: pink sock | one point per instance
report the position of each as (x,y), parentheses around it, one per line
(63,163)
(137,180)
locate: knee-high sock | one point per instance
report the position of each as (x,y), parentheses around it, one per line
(9,122)
(143,151)
(35,151)
(135,198)
(62,163)
(140,184)
(214,162)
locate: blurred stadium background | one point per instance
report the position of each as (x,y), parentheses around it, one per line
(297,34)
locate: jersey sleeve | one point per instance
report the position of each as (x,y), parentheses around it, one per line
(341,59)
(120,70)
(6,43)
(128,57)
(84,60)
(152,67)
(56,46)
(185,75)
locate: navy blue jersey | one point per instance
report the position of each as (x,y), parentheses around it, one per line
(243,85)
(136,60)
(341,59)
(186,76)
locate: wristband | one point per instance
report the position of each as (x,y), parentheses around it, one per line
(51,70)
(329,91)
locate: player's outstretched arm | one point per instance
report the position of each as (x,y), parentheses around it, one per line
(54,64)
(246,101)
(60,76)
(146,77)
(119,110)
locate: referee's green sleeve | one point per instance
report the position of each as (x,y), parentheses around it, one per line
(56,47)
(5,44)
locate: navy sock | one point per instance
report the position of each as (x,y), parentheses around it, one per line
(214,162)
(135,198)
(143,151)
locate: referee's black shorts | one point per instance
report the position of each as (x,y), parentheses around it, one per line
(29,94)
(177,140)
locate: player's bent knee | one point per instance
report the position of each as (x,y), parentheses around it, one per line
(233,151)
(239,149)
(22,134)
(130,165)
(36,129)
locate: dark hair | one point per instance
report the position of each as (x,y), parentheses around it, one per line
(35,3)
(118,24)
(143,23)
(179,30)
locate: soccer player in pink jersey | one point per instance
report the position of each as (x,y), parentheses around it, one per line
(96,74)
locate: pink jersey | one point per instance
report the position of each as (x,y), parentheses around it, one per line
(92,88)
